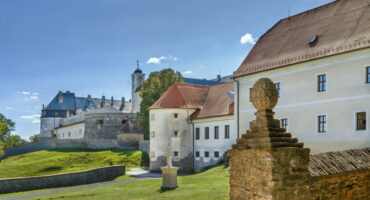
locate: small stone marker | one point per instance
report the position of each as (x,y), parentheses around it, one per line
(169,175)
(266,162)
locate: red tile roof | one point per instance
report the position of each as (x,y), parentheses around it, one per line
(210,101)
(341,26)
(217,101)
(182,96)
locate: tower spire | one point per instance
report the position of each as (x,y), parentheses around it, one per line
(137,62)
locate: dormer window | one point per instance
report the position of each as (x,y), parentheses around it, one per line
(313,40)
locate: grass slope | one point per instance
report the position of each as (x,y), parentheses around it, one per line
(211,184)
(56,161)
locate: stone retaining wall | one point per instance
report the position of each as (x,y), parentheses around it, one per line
(61,180)
(69,143)
(352,185)
(144,146)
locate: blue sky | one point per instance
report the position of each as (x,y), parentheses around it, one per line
(91,46)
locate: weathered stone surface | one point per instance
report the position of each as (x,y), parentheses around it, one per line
(61,180)
(353,185)
(266,162)
(169,175)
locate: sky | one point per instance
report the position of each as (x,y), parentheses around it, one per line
(91,46)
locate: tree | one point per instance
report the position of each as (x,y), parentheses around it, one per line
(7,127)
(35,138)
(150,91)
(2,127)
(13,141)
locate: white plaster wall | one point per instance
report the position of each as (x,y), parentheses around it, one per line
(77,131)
(211,145)
(163,125)
(300,102)
(47,125)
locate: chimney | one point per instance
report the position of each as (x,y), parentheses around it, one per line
(43,106)
(103,103)
(68,91)
(60,99)
(111,101)
(219,77)
(89,97)
(123,101)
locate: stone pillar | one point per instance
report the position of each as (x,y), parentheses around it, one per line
(169,175)
(267,163)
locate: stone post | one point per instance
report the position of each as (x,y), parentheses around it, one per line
(267,163)
(169,173)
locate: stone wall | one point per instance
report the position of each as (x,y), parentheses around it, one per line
(69,143)
(353,185)
(61,180)
(130,138)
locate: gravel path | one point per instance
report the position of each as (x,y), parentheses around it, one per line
(71,189)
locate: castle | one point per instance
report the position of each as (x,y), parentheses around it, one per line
(70,117)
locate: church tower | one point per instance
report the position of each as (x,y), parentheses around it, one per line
(137,77)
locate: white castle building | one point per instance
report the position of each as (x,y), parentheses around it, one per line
(66,116)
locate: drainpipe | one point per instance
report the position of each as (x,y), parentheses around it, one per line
(237,107)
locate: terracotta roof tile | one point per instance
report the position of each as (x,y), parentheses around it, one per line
(182,96)
(341,26)
(217,101)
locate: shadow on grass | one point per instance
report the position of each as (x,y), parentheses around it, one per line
(162,190)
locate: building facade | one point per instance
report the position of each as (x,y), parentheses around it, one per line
(192,123)
(323,74)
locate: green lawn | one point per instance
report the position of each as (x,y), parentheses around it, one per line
(56,161)
(211,184)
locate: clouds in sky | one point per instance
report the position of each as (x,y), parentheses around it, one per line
(26,95)
(8,108)
(35,118)
(157,60)
(187,72)
(248,38)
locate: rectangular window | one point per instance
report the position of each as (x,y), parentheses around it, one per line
(250,94)
(216,154)
(152,154)
(175,153)
(99,121)
(284,123)
(367,74)
(206,154)
(175,115)
(361,121)
(321,83)
(321,123)
(227,131)
(152,134)
(197,154)
(277,85)
(175,133)
(152,117)
(206,133)
(216,132)
(197,133)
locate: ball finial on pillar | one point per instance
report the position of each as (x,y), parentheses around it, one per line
(264,95)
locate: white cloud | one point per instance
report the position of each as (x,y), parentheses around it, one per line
(8,108)
(34,97)
(188,72)
(35,118)
(25,93)
(27,96)
(247,38)
(35,94)
(157,60)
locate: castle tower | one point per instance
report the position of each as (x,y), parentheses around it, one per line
(137,77)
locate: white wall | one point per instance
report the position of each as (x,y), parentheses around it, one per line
(300,102)
(75,131)
(211,145)
(163,125)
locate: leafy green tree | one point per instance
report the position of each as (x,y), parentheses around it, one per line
(13,141)
(2,127)
(35,138)
(7,127)
(151,89)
